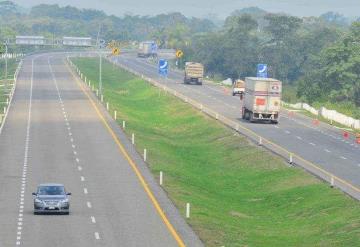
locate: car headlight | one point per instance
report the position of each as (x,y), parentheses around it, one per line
(38,201)
(66,201)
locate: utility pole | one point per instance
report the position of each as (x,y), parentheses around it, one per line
(100,60)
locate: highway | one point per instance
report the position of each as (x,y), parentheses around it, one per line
(57,132)
(320,144)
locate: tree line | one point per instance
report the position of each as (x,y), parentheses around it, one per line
(317,56)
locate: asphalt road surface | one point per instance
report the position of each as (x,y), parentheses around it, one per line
(321,144)
(53,133)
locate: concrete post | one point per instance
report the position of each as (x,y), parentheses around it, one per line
(115,115)
(124,124)
(187,210)
(145,154)
(161,178)
(133,138)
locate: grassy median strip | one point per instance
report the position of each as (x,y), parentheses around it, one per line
(240,195)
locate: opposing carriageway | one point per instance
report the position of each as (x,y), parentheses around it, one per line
(57,132)
(319,148)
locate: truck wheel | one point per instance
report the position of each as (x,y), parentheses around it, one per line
(274,122)
(247,115)
(251,117)
(243,114)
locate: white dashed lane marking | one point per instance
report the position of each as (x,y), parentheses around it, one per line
(25,164)
(93,220)
(97,235)
(82,179)
(88,204)
(326,150)
(85,191)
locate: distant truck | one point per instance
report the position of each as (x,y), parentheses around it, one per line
(194,72)
(238,87)
(147,49)
(261,101)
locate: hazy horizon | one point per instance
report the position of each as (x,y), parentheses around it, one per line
(201,8)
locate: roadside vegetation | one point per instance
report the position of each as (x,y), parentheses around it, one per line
(316,56)
(241,195)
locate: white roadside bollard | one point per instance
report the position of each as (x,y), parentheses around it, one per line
(115,115)
(124,124)
(201,107)
(133,138)
(291,159)
(145,154)
(260,141)
(161,178)
(332,182)
(217,116)
(107,105)
(102,98)
(4,109)
(187,210)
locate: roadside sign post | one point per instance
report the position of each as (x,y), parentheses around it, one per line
(262,70)
(179,54)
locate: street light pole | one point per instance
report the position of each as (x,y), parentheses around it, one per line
(100,59)
(6,64)
(100,73)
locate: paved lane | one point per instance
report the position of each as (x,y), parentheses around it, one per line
(322,144)
(53,134)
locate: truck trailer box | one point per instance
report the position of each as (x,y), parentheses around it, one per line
(262,99)
(194,72)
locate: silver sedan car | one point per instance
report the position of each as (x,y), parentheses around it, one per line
(51,198)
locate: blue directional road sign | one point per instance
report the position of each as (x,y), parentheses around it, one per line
(262,70)
(163,67)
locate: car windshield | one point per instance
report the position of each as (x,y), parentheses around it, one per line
(51,190)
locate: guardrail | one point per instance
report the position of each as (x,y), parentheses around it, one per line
(291,158)
(9,97)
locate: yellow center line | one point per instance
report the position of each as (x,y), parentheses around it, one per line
(131,162)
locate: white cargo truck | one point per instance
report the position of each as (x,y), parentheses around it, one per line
(261,101)
(147,49)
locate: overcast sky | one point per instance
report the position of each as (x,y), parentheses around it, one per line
(200,8)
